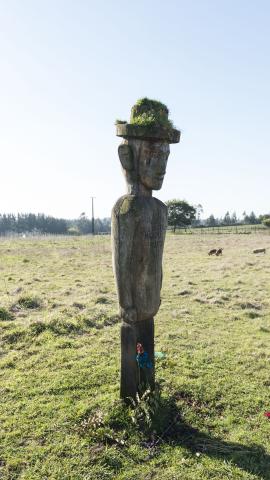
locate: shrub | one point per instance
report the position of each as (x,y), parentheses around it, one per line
(146,408)
(109,428)
(73,231)
(63,327)
(37,328)
(14,336)
(102,299)
(29,302)
(5,314)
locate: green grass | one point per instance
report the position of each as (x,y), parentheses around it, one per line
(59,363)
(5,314)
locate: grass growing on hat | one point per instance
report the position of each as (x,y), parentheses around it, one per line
(120,122)
(151,113)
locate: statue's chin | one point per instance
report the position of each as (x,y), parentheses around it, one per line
(153,185)
(157,186)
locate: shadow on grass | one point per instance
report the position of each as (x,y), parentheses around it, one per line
(252,458)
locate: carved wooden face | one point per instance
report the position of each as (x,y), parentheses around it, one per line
(152,163)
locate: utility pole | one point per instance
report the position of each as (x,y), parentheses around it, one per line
(93,218)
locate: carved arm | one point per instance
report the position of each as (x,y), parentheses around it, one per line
(123,229)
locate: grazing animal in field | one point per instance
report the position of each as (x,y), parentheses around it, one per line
(219,252)
(260,250)
(212,252)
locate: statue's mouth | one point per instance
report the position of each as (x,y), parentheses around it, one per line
(160,177)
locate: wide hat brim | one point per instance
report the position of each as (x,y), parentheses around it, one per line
(141,132)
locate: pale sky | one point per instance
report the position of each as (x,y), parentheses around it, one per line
(70,68)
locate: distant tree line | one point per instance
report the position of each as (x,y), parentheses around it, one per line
(44,224)
(231,219)
(182,214)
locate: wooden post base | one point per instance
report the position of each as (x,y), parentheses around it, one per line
(132,376)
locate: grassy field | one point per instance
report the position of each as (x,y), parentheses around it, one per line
(59,364)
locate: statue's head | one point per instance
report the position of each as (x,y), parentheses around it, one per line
(146,145)
(144,162)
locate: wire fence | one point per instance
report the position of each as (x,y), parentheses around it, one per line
(179,230)
(221,230)
(40,236)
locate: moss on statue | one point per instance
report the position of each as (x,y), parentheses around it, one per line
(149,113)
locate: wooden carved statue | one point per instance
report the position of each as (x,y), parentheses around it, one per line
(139,224)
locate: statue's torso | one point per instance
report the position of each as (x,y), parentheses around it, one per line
(141,223)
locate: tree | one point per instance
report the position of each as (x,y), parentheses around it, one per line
(264,217)
(199,211)
(253,219)
(246,218)
(266,222)
(227,219)
(211,221)
(84,224)
(234,218)
(180,213)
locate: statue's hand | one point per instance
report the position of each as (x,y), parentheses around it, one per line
(128,315)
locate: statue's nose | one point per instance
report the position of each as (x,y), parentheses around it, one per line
(162,168)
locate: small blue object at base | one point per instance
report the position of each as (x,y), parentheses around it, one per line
(143,360)
(160,355)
